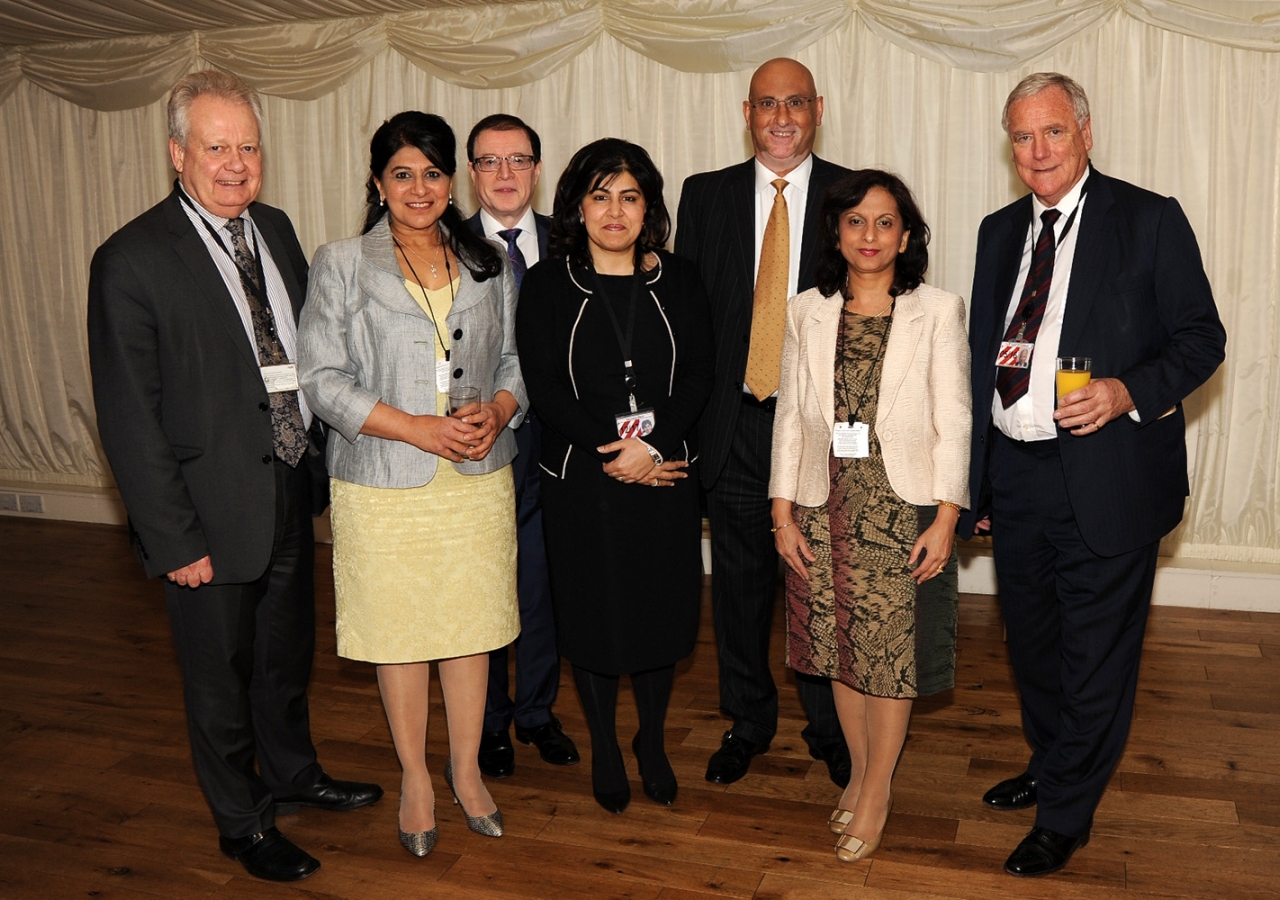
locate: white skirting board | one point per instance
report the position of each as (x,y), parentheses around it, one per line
(1179,582)
(1204,584)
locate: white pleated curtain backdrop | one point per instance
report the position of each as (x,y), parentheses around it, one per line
(1183,102)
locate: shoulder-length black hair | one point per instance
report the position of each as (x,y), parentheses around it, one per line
(433,136)
(845,194)
(590,169)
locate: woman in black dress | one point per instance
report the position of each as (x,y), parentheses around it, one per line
(616,347)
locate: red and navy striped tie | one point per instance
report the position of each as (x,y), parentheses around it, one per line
(1012,382)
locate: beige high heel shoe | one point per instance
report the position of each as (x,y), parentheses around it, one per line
(850,847)
(840,820)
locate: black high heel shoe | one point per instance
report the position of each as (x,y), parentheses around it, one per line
(661,790)
(615,801)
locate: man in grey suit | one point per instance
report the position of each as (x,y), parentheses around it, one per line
(722,224)
(192,314)
(504,158)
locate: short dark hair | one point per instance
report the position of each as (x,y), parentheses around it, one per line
(432,135)
(503,122)
(911,264)
(591,167)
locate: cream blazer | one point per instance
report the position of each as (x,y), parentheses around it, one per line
(923,417)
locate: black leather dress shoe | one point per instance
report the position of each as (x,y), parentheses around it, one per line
(1041,852)
(553,744)
(270,855)
(497,754)
(338,796)
(839,765)
(732,760)
(1012,793)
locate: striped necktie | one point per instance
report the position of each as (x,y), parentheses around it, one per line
(1011,382)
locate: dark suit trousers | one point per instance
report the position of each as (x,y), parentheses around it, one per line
(744,570)
(245,651)
(1075,624)
(537,659)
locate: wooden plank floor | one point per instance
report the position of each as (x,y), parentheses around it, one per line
(97,796)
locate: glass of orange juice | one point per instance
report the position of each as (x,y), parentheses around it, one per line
(1073,373)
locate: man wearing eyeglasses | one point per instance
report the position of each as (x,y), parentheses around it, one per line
(504,157)
(751,230)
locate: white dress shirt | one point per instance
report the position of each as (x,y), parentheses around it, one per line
(1030,418)
(526,240)
(277,293)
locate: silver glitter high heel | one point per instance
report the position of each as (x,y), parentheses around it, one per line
(490,825)
(419,843)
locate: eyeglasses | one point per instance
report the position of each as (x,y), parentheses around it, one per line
(771,104)
(518,163)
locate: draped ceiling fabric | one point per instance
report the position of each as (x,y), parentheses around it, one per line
(1183,100)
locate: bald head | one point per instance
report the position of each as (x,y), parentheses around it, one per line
(782,136)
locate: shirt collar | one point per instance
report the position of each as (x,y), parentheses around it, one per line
(797,177)
(492,226)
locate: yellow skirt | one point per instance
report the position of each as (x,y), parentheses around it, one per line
(427,572)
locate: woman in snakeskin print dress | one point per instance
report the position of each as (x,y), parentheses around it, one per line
(870,463)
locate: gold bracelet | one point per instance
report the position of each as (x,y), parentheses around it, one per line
(955,506)
(780,527)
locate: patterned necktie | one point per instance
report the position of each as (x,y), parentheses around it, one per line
(518,265)
(1012,382)
(769,312)
(288,433)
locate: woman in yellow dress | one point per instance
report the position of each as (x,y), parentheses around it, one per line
(424,549)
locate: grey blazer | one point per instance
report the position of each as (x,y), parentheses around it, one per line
(363,338)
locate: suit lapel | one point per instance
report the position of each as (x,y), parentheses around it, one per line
(742,214)
(904,335)
(191,249)
(819,180)
(280,255)
(1008,261)
(819,351)
(1087,269)
(543,224)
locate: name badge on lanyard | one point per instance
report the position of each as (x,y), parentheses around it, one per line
(851,440)
(1015,354)
(280,378)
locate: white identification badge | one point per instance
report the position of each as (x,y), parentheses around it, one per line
(851,441)
(1014,354)
(636,424)
(442,376)
(280,378)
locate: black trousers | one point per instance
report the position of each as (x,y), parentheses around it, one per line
(537,659)
(1075,624)
(245,651)
(744,570)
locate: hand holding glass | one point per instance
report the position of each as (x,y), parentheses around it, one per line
(463,401)
(1073,373)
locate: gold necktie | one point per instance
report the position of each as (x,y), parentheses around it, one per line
(769,312)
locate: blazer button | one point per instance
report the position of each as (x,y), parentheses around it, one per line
(266,459)
(457,373)
(264,406)
(457,334)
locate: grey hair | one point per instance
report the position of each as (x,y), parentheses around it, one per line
(212,82)
(1034,84)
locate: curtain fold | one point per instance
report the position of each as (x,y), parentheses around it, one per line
(476,44)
